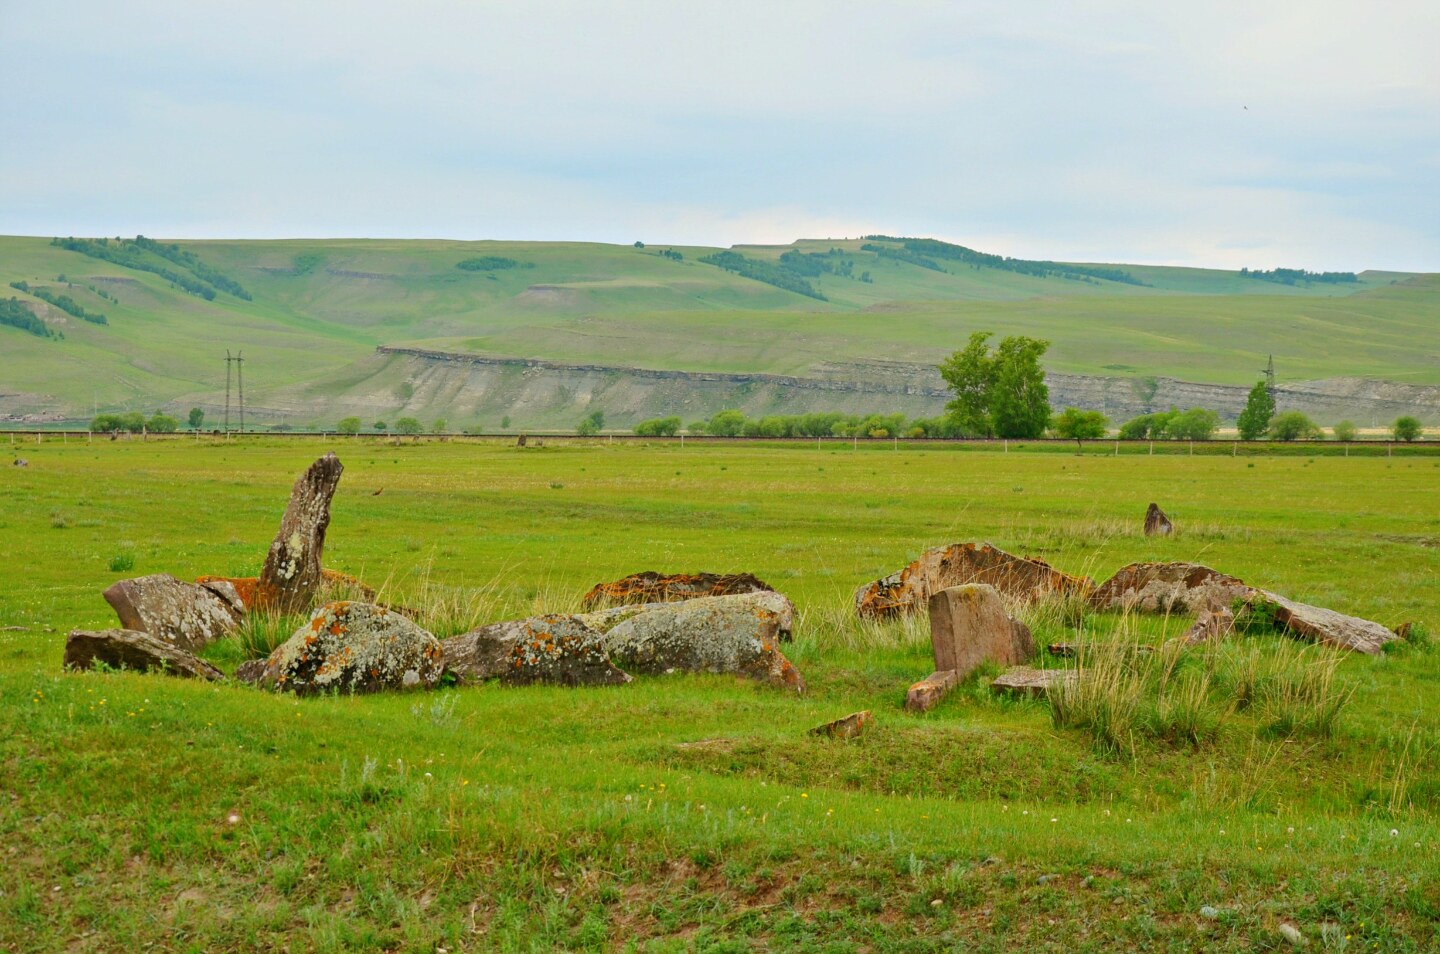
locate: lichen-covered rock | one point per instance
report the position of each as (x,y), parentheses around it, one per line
(187,615)
(556,649)
(1169,588)
(291,575)
(652,587)
(353,648)
(908,590)
(721,634)
(1025,681)
(333,585)
(1156,523)
(134,650)
(607,619)
(1320,625)
(250,671)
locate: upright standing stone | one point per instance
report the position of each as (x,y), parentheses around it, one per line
(292,573)
(969,626)
(1156,523)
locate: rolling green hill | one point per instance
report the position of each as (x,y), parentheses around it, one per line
(308,315)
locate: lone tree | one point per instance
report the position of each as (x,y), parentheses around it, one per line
(408,426)
(196,418)
(1000,393)
(591,425)
(1081,426)
(1406,428)
(1259,408)
(348,426)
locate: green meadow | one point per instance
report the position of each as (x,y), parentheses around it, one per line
(695,812)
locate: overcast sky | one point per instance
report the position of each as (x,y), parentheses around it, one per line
(1207,133)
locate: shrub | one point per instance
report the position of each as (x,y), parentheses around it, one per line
(348,425)
(1293,425)
(1406,428)
(408,426)
(1344,431)
(1196,424)
(659,427)
(162,424)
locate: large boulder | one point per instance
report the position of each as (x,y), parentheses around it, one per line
(554,648)
(652,587)
(909,589)
(721,634)
(292,574)
(1321,625)
(1169,588)
(187,615)
(134,650)
(353,648)
(607,619)
(969,627)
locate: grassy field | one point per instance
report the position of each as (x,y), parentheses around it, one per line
(694,812)
(319,308)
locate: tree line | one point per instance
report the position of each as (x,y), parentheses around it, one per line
(139,253)
(14,313)
(64,302)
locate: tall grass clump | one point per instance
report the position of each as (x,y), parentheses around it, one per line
(834,623)
(1104,699)
(261,631)
(1302,693)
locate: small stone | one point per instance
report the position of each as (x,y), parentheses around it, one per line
(849,727)
(21,462)
(1208,911)
(927,693)
(1292,934)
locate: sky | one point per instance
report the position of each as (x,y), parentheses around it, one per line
(1216,133)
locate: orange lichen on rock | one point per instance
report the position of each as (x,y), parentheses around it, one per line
(652,587)
(257,597)
(909,589)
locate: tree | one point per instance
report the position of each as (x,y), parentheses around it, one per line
(162,424)
(587,428)
(597,418)
(1196,424)
(1293,425)
(1079,426)
(1001,393)
(1259,408)
(408,426)
(348,425)
(439,426)
(726,424)
(195,418)
(134,422)
(1406,428)
(659,427)
(505,423)
(107,424)
(379,425)
(1344,431)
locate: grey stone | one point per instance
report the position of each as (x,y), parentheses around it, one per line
(292,573)
(1169,588)
(186,614)
(1325,626)
(1026,681)
(352,647)
(134,650)
(548,649)
(745,603)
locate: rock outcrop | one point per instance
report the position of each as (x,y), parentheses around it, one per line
(187,615)
(554,648)
(134,650)
(292,574)
(1156,523)
(652,587)
(1169,588)
(720,634)
(907,590)
(352,647)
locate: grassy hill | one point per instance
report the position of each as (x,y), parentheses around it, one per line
(316,309)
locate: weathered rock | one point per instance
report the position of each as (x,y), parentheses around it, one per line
(849,727)
(969,627)
(21,462)
(908,590)
(1211,625)
(185,614)
(291,576)
(1321,625)
(652,587)
(1026,681)
(134,650)
(1169,588)
(333,584)
(250,671)
(550,649)
(926,694)
(353,648)
(607,619)
(722,634)
(1156,523)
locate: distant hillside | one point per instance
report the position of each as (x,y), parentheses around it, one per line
(139,324)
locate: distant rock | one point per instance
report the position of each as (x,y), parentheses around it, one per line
(136,651)
(556,649)
(607,619)
(1169,588)
(652,587)
(721,634)
(1025,681)
(907,590)
(352,647)
(1156,523)
(292,572)
(21,462)
(187,615)
(850,727)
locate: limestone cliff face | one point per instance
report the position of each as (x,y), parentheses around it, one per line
(461,387)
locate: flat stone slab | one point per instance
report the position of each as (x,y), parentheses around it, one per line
(1325,626)
(1026,681)
(136,651)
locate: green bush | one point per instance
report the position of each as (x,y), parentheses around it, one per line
(1292,426)
(658,427)
(1406,428)
(1344,430)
